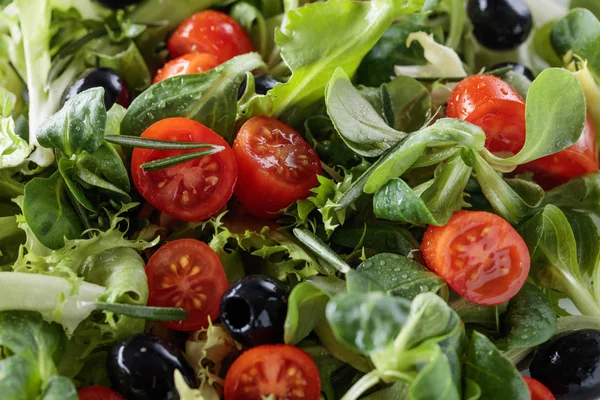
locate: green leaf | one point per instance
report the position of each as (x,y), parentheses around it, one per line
(397,201)
(321,250)
(579,32)
(435,381)
(209,98)
(407,104)
(591,5)
(587,238)
(380,236)
(306,307)
(555,116)
(78,126)
(11,238)
(400,276)
(129,63)
(358,124)
(582,193)
(529,319)
(496,376)
(13,149)
(48,212)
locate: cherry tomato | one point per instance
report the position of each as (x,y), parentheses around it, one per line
(579,159)
(537,390)
(187,273)
(276,165)
(98,393)
(192,63)
(193,190)
(282,370)
(479,255)
(210,32)
(493,105)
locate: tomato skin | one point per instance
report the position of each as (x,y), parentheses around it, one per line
(194,190)
(187,273)
(98,393)
(538,390)
(192,63)
(276,166)
(255,373)
(493,105)
(479,255)
(210,32)
(578,159)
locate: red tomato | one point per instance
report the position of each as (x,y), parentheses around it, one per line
(538,390)
(579,159)
(282,370)
(98,393)
(479,255)
(193,190)
(210,32)
(187,273)
(192,63)
(276,166)
(493,105)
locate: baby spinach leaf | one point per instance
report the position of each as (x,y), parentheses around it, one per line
(582,193)
(555,115)
(382,237)
(49,213)
(306,307)
(486,318)
(397,201)
(400,276)
(358,124)
(78,126)
(209,98)
(496,376)
(579,32)
(529,319)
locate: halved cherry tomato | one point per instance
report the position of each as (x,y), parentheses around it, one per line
(538,390)
(276,166)
(479,255)
(493,105)
(281,370)
(579,159)
(192,63)
(98,393)
(193,190)
(210,32)
(187,273)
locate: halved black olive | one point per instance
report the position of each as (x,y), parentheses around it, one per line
(254,309)
(115,89)
(500,24)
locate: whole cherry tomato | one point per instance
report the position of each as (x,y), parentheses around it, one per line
(192,63)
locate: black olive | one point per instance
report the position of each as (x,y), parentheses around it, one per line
(520,68)
(570,365)
(253,310)
(500,24)
(142,367)
(117,4)
(262,84)
(115,89)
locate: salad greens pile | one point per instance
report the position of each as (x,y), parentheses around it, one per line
(365,83)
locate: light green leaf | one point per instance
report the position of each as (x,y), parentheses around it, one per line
(13,149)
(306,307)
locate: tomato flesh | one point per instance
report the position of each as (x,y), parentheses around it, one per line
(578,159)
(210,32)
(193,190)
(187,273)
(276,166)
(98,393)
(282,370)
(192,63)
(479,255)
(537,390)
(493,105)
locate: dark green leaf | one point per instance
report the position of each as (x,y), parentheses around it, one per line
(496,376)
(397,201)
(209,98)
(406,104)
(78,126)
(582,193)
(382,237)
(588,243)
(306,307)
(49,213)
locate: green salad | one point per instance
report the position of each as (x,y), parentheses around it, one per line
(266,199)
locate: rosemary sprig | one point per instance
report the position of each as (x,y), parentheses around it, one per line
(145,312)
(144,143)
(178,159)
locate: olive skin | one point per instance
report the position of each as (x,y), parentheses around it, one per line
(117,4)
(142,367)
(262,84)
(520,68)
(500,24)
(569,365)
(115,89)
(254,308)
